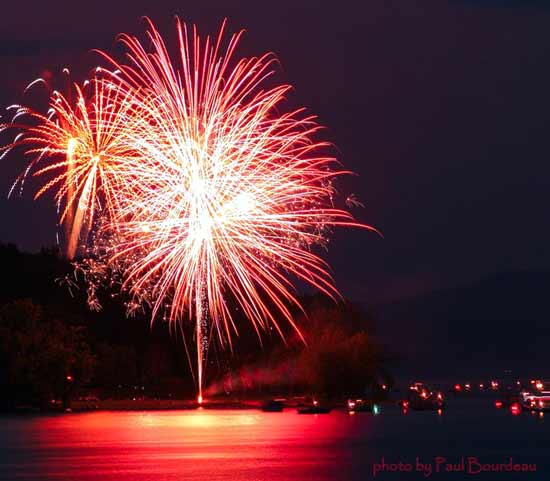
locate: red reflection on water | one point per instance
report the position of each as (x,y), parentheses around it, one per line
(190,445)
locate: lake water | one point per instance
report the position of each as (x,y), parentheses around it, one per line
(254,446)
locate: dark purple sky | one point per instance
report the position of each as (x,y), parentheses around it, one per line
(443,109)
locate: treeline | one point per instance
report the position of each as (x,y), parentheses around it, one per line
(338,357)
(53,348)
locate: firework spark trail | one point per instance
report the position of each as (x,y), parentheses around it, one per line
(207,190)
(84,149)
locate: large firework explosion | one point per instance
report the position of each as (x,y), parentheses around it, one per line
(181,178)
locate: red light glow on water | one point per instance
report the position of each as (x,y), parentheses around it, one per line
(240,445)
(200,445)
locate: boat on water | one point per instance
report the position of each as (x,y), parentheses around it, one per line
(422,398)
(362,406)
(314,408)
(273,406)
(536,397)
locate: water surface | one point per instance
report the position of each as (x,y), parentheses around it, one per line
(254,446)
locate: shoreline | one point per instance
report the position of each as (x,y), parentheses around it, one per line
(159,405)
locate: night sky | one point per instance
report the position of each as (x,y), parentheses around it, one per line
(442,109)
